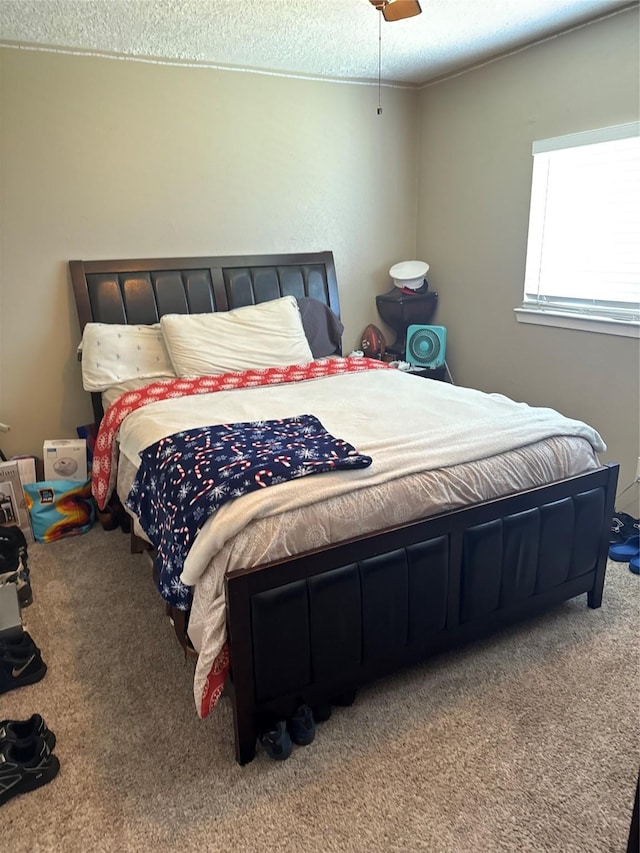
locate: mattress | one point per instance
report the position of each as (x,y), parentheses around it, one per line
(435,449)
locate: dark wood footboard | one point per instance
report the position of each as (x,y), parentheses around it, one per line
(310,627)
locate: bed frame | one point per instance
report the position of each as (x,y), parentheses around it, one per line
(312,627)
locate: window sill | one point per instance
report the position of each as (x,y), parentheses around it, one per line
(602,325)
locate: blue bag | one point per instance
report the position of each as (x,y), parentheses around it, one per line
(60,508)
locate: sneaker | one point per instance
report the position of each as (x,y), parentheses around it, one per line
(9,556)
(13,566)
(14,536)
(12,533)
(18,668)
(25,768)
(623,526)
(302,727)
(22,731)
(276,741)
(18,644)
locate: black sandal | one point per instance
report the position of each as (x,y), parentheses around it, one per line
(623,526)
(276,741)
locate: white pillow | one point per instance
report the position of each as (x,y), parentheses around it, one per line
(266,335)
(113,353)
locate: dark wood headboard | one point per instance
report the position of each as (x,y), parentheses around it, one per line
(141,291)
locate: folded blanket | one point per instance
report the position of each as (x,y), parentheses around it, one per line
(184,478)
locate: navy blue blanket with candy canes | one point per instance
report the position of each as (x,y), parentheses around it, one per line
(186,477)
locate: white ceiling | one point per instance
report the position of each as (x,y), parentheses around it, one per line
(319,38)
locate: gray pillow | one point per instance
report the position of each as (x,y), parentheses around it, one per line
(321,326)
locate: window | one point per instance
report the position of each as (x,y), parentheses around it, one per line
(583,250)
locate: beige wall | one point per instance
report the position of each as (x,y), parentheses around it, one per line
(475,167)
(104,158)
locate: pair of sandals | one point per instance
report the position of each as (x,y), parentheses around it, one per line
(625,547)
(278,739)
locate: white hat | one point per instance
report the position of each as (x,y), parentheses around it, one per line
(409,274)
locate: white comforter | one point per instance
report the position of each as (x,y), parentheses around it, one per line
(406,424)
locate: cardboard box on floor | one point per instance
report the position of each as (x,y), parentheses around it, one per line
(65,459)
(26,468)
(13,505)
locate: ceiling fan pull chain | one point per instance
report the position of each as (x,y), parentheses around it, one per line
(379,110)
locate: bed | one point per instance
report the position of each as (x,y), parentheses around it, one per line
(320,594)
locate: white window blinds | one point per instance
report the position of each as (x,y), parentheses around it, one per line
(583,250)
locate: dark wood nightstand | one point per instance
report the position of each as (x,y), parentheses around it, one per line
(439,373)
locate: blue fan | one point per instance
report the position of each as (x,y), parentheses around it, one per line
(426,345)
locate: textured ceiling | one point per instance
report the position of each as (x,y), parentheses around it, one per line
(319,38)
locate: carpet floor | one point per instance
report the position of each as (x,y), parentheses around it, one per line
(526,741)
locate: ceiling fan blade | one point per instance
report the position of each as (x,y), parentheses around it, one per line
(397,10)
